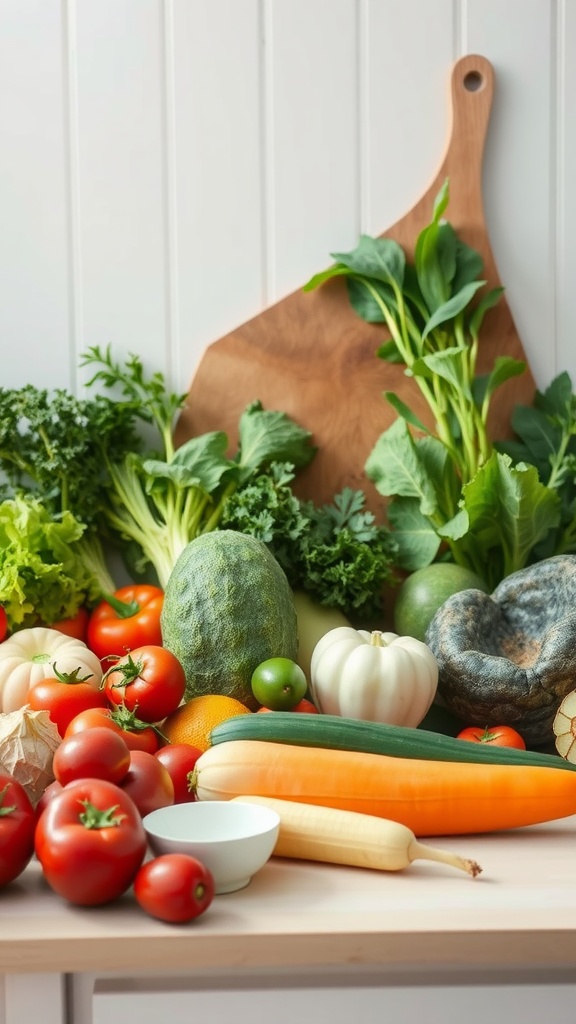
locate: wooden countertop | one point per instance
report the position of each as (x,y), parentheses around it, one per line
(520,913)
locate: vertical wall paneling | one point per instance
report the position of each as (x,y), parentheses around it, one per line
(217,50)
(121,168)
(311,136)
(519,174)
(170,167)
(407,50)
(565,167)
(34,321)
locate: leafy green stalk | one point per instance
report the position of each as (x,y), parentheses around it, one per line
(433,310)
(162,500)
(433,313)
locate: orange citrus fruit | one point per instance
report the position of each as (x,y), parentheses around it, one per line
(193,722)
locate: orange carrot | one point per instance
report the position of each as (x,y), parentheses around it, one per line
(431,798)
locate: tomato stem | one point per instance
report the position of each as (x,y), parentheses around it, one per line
(5,810)
(92,817)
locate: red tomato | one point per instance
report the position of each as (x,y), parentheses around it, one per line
(303,706)
(49,793)
(136,734)
(149,680)
(93,754)
(65,695)
(76,626)
(174,887)
(3,624)
(129,618)
(90,842)
(148,782)
(179,760)
(17,821)
(498,736)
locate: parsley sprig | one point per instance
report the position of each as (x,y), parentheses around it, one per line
(337,553)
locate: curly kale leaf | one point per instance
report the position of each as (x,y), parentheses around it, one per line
(337,553)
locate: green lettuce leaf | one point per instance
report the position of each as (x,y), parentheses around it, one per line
(41,577)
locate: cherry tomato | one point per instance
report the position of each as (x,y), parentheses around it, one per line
(148,782)
(149,680)
(179,760)
(65,695)
(174,887)
(303,706)
(90,842)
(497,736)
(93,754)
(17,821)
(3,623)
(137,735)
(76,626)
(129,618)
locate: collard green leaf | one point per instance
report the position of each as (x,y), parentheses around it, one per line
(505,367)
(558,399)
(267,436)
(389,352)
(325,275)
(379,258)
(539,435)
(404,411)
(199,462)
(453,307)
(509,507)
(440,468)
(448,365)
(469,266)
(395,469)
(363,301)
(417,540)
(486,302)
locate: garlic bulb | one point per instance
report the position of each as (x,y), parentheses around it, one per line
(28,740)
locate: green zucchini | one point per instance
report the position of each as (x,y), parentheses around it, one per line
(337,733)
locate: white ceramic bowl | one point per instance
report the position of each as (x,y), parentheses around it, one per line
(233,840)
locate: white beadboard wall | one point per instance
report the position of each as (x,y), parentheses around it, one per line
(168,168)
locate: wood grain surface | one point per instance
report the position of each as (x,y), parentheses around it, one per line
(311,356)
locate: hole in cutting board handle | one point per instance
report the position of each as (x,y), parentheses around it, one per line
(473,81)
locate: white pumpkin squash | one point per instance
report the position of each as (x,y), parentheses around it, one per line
(374,676)
(29,655)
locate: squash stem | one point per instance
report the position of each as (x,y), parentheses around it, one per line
(376,639)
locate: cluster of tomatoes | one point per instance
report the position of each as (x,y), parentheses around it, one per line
(111,768)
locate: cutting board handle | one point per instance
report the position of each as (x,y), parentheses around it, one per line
(472,91)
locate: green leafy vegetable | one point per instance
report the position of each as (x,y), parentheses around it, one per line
(546,438)
(336,553)
(447,485)
(54,447)
(160,501)
(41,577)
(434,314)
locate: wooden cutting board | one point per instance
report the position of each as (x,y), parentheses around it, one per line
(311,356)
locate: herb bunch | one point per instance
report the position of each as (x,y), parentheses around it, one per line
(337,553)
(54,447)
(162,499)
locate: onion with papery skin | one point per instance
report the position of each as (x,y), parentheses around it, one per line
(28,740)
